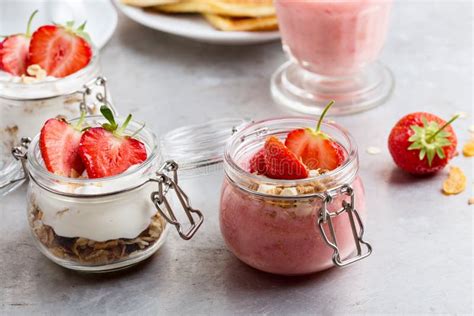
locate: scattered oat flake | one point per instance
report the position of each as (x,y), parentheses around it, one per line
(471,128)
(468,149)
(470,201)
(455,183)
(373,150)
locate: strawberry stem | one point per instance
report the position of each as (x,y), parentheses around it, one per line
(28,26)
(112,126)
(78,126)
(124,125)
(326,109)
(430,139)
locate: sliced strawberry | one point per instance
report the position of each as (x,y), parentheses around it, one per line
(14,54)
(14,51)
(106,151)
(316,150)
(257,163)
(281,163)
(105,154)
(60,50)
(59,145)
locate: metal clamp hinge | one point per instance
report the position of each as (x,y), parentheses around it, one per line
(102,97)
(165,183)
(20,153)
(357,228)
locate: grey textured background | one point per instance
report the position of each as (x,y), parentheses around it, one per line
(423,240)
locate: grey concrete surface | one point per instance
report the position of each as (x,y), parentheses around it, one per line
(423,241)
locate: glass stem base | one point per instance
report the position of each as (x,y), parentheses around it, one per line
(302,91)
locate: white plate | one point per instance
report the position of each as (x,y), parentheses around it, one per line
(194,27)
(100,15)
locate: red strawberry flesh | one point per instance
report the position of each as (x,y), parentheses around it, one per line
(106,154)
(281,163)
(14,54)
(59,51)
(59,145)
(316,150)
(257,162)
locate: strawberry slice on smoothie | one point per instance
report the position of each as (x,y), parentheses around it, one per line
(304,149)
(257,162)
(281,163)
(316,149)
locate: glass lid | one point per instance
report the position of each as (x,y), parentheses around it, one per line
(200,146)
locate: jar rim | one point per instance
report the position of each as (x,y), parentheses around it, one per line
(347,168)
(69,87)
(37,169)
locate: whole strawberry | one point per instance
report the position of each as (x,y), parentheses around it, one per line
(14,51)
(422,143)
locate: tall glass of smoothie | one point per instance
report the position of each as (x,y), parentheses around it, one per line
(333,47)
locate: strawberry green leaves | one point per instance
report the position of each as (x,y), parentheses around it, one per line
(112,125)
(430,139)
(109,116)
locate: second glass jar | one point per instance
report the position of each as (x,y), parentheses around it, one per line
(318,227)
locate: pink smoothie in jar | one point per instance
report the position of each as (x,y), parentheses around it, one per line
(333,37)
(272,225)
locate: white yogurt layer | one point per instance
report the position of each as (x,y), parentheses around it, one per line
(40,86)
(10,86)
(17,79)
(123,215)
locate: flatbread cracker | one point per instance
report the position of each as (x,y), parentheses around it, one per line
(225,23)
(233,8)
(148,3)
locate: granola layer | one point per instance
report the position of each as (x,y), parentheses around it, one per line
(86,251)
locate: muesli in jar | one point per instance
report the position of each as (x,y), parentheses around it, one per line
(97,192)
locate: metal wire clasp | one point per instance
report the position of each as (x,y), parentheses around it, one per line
(102,97)
(165,183)
(326,217)
(20,153)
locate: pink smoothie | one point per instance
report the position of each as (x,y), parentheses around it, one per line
(283,240)
(333,37)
